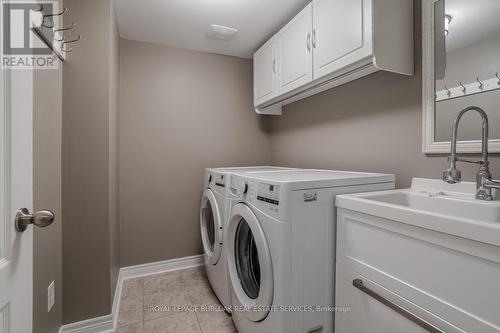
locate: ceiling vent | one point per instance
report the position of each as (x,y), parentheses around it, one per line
(220,32)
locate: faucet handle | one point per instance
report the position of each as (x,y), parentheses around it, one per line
(452,176)
(461,159)
(492,183)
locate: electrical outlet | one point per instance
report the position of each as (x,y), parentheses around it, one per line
(50,296)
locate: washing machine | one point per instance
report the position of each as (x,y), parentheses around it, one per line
(281,247)
(213,221)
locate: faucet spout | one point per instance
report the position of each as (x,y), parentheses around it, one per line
(485,133)
(452,175)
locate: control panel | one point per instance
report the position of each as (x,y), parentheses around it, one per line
(269,193)
(219,180)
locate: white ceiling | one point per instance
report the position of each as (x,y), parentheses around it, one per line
(473,21)
(184,23)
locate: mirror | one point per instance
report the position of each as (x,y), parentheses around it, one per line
(461,68)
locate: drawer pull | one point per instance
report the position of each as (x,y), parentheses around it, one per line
(358,283)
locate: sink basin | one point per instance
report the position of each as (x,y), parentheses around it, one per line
(442,203)
(433,204)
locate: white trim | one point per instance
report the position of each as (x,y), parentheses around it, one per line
(160,267)
(94,325)
(108,323)
(429,145)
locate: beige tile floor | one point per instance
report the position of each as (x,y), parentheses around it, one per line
(179,301)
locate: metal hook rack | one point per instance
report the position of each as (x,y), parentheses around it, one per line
(52,36)
(476,87)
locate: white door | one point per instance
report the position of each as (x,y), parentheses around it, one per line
(16,199)
(16,191)
(342,34)
(264,73)
(295,52)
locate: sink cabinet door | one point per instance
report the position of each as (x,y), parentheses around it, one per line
(264,73)
(295,52)
(448,281)
(342,34)
(367,315)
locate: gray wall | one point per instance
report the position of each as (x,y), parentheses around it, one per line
(89,164)
(372,124)
(47,242)
(180,112)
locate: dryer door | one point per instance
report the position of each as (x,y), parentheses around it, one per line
(211,227)
(249,260)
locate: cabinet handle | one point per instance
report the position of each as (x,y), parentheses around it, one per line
(274,66)
(308,42)
(358,283)
(314,38)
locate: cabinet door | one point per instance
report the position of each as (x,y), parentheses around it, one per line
(365,314)
(295,52)
(264,73)
(342,34)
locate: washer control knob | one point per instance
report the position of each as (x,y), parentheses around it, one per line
(241,187)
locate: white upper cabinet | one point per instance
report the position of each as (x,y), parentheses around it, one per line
(332,42)
(342,34)
(264,73)
(295,52)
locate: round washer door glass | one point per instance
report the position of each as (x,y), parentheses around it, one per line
(249,263)
(247,259)
(211,227)
(208,217)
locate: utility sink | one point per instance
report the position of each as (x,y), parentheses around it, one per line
(433,204)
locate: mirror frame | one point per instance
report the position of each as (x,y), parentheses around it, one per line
(430,146)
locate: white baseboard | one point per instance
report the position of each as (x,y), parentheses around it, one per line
(160,267)
(108,323)
(94,325)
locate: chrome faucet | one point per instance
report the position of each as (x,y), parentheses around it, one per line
(484,181)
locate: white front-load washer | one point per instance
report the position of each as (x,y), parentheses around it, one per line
(281,247)
(213,221)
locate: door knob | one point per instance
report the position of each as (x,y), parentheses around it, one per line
(41,218)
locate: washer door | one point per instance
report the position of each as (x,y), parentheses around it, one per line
(211,227)
(249,260)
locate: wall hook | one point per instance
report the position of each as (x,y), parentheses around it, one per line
(68,42)
(73,25)
(52,15)
(448,91)
(464,90)
(481,85)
